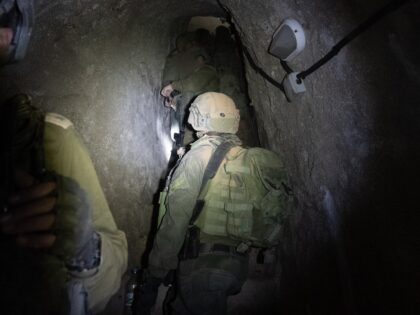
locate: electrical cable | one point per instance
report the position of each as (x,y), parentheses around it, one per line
(388,8)
(261,71)
(245,50)
(286,66)
(385,10)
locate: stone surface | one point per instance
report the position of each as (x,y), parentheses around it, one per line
(351,147)
(350,143)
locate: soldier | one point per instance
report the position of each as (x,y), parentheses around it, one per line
(184,60)
(204,39)
(225,55)
(61,250)
(232,81)
(208,211)
(186,74)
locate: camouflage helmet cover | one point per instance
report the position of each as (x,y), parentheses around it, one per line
(216,112)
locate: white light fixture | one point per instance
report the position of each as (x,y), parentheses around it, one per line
(293,86)
(288,40)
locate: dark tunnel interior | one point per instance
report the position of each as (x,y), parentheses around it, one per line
(350,142)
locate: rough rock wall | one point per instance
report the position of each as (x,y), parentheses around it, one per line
(350,142)
(350,145)
(99,63)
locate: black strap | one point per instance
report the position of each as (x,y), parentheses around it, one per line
(211,169)
(388,8)
(260,70)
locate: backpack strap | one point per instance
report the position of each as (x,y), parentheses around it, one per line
(211,169)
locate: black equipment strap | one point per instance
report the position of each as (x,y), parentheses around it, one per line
(393,5)
(211,169)
(384,11)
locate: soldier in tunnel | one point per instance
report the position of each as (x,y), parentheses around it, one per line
(204,39)
(229,67)
(221,201)
(225,54)
(62,252)
(187,73)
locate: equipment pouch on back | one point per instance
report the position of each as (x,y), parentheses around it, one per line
(250,191)
(239,220)
(191,247)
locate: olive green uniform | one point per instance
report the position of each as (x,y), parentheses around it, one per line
(181,64)
(205,282)
(189,75)
(24,283)
(204,79)
(66,155)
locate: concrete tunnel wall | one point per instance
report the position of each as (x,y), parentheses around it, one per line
(350,142)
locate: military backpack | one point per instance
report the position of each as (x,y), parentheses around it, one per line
(248,199)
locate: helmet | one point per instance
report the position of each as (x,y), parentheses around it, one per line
(18,15)
(213,111)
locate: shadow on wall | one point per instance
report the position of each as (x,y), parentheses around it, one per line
(350,248)
(351,143)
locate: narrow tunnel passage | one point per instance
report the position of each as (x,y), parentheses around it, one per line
(211,38)
(350,143)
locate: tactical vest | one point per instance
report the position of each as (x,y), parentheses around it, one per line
(248,199)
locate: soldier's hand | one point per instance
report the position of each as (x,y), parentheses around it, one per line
(6,36)
(180,152)
(168,102)
(31,215)
(167,90)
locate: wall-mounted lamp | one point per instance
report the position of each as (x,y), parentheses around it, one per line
(288,42)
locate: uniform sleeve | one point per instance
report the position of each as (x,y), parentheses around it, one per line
(183,193)
(170,72)
(204,79)
(66,155)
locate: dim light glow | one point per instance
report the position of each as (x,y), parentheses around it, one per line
(165,139)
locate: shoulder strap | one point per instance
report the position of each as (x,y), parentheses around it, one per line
(211,169)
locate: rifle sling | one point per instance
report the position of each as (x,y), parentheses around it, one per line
(211,169)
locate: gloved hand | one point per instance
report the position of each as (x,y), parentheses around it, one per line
(167,90)
(145,294)
(30,215)
(51,215)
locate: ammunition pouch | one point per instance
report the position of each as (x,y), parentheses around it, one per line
(191,247)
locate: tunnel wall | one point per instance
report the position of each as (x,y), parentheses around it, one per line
(349,145)
(99,63)
(349,142)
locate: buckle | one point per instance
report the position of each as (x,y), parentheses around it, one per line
(210,248)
